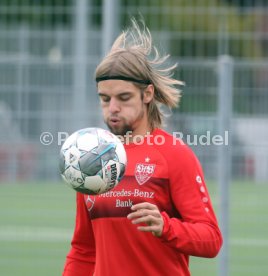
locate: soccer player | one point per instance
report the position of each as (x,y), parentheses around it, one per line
(161,212)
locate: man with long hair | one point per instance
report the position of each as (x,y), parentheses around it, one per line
(161,212)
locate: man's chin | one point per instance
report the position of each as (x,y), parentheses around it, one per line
(121,131)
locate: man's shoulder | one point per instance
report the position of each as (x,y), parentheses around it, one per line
(170,145)
(177,154)
(167,139)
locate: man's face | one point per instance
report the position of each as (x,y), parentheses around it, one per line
(124,109)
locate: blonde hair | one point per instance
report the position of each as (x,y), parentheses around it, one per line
(133,56)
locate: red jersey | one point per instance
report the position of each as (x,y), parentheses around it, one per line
(162,171)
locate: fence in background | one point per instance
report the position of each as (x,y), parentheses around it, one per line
(46,76)
(49,51)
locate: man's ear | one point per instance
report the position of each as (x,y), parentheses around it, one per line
(148,94)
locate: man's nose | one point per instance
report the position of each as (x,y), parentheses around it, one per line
(114,106)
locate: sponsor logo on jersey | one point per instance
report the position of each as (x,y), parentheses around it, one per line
(90,200)
(143,172)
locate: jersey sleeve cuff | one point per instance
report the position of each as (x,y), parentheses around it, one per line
(166,227)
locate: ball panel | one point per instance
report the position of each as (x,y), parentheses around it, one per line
(73,177)
(90,163)
(121,171)
(107,152)
(106,136)
(121,153)
(71,140)
(72,156)
(95,184)
(87,141)
(84,190)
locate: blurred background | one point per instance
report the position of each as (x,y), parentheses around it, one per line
(48,54)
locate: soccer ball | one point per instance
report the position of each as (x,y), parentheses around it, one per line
(92,161)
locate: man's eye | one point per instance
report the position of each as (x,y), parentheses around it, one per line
(105,99)
(125,98)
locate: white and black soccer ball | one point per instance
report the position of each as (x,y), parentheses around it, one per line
(92,161)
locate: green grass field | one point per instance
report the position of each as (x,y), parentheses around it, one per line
(37,223)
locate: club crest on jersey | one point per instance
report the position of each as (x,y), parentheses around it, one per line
(143,172)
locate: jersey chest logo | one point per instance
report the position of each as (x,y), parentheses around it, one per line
(89,200)
(143,172)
